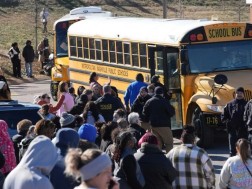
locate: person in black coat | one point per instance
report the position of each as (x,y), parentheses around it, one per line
(28,54)
(159,111)
(107,104)
(232,116)
(156,168)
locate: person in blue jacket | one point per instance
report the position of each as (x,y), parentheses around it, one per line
(133,90)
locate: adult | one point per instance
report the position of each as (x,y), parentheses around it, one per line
(232,116)
(67,120)
(138,105)
(96,88)
(44,127)
(79,92)
(91,114)
(236,172)
(7,148)
(107,104)
(159,111)
(106,131)
(22,129)
(189,158)
(156,168)
(28,54)
(93,80)
(93,167)
(4,92)
(44,19)
(135,125)
(35,167)
(65,138)
(118,114)
(44,51)
(15,60)
(133,90)
(68,101)
(87,132)
(155,80)
(127,170)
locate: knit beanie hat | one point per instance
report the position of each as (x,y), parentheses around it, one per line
(159,90)
(66,119)
(87,132)
(149,138)
(240,89)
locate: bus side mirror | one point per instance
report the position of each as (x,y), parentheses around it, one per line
(184,56)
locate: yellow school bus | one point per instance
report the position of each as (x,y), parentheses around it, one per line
(201,62)
(60,70)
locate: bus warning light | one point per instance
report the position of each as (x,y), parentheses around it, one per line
(200,37)
(250,33)
(193,37)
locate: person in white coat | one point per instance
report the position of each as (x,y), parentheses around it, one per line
(237,170)
(35,166)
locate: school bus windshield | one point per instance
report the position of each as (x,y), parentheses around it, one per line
(61,39)
(223,56)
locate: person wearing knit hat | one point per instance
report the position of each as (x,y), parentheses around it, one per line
(234,118)
(159,111)
(67,120)
(87,132)
(156,168)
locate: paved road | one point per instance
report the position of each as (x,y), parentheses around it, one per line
(26,92)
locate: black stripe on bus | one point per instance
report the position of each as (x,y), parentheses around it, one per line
(87,84)
(102,75)
(145,70)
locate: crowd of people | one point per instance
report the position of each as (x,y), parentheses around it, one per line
(91,139)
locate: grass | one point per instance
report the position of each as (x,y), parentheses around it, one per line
(17,20)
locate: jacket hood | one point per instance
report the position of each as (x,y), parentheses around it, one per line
(66,138)
(41,154)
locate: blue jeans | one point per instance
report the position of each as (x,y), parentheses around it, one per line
(28,68)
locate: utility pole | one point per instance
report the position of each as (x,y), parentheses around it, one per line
(164,8)
(36,27)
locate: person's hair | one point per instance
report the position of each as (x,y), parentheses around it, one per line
(188,134)
(92,107)
(71,90)
(44,127)
(121,143)
(14,44)
(28,42)
(87,92)
(114,134)
(139,77)
(44,95)
(107,129)
(80,90)
(243,147)
(114,91)
(45,109)
(92,76)
(151,87)
(23,126)
(75,160)
(30,131)
(120,112)
(133,117)
(61,87)
(106,89)
(84,145)
(78,121)
(122,123)
(3,93)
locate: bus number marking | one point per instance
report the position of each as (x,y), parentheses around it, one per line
(225,32)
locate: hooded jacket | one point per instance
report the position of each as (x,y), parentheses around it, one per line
(34,167)
(65,138)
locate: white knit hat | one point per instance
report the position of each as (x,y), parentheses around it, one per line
(66,119)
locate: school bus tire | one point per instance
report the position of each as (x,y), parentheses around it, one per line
(204,133)
(54,90)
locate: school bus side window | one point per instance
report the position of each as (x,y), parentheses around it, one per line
(119,52)
(79,46)
(112,51)
(105,50)
(73,46)
(134,52)
(86,48)
(143,56)
(126,53)
(92,49)
(98,49)
(159,60)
